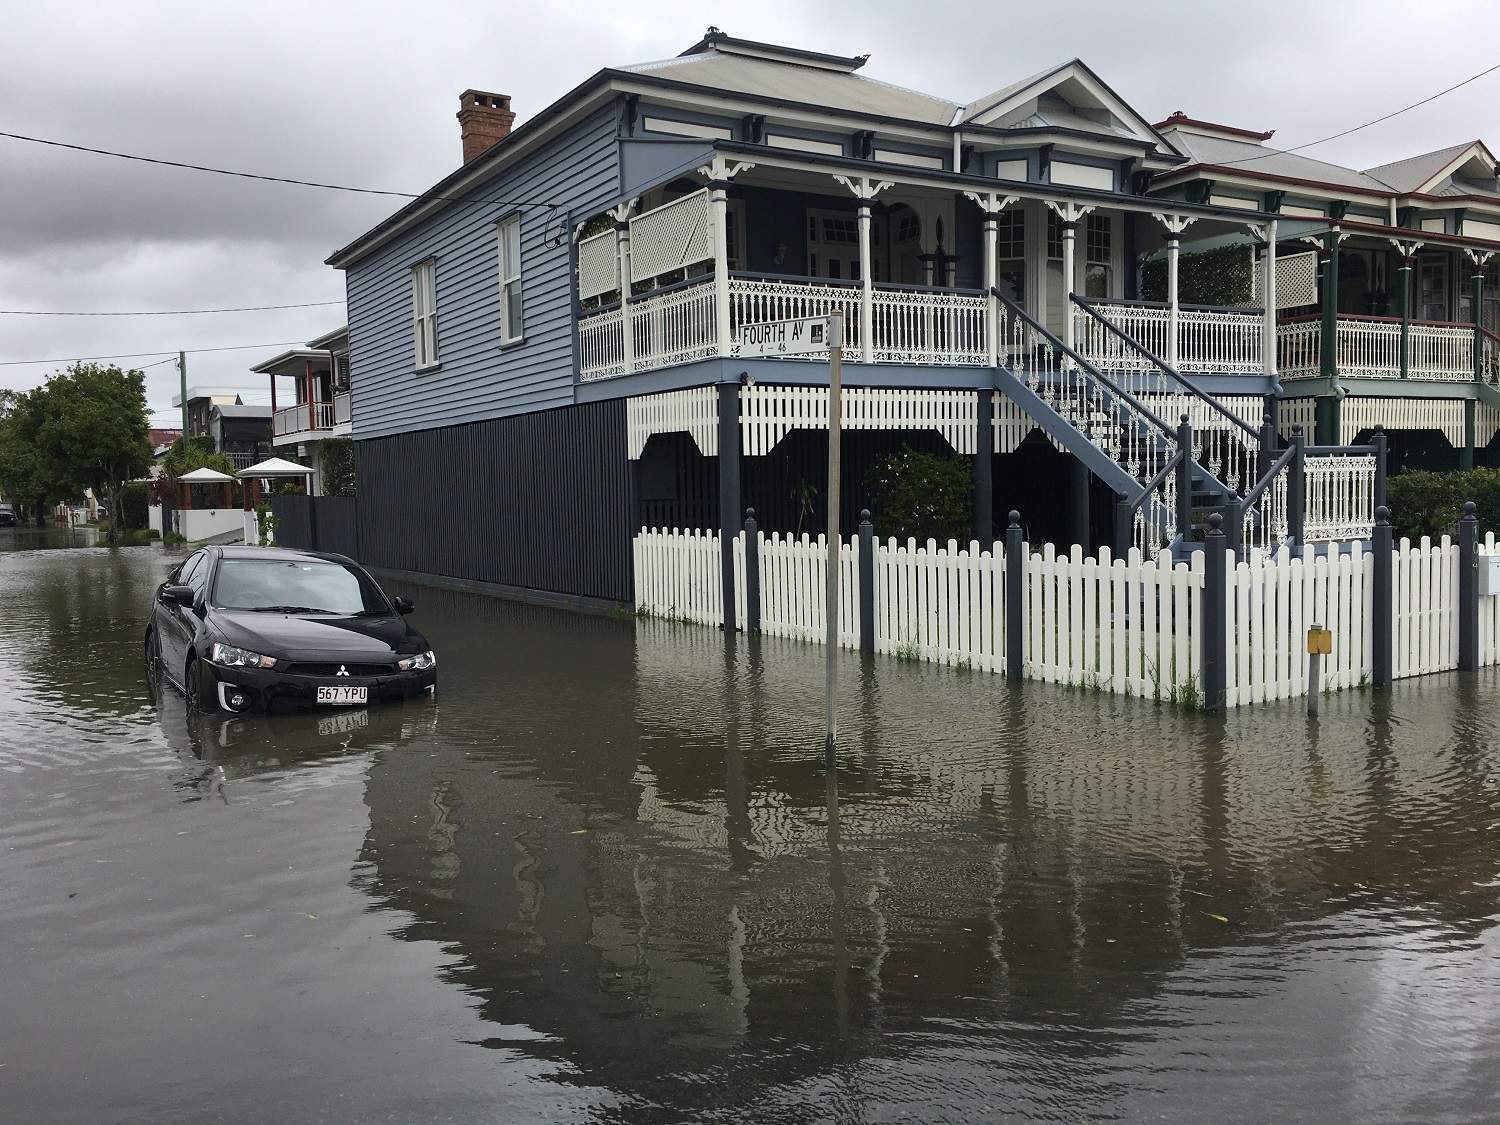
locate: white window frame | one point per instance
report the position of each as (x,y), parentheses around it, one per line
(509,275)
(424,314)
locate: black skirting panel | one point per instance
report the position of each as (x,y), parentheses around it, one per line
(541,501)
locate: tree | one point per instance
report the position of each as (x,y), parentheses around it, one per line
(26,476)
(922,496)
(94,431)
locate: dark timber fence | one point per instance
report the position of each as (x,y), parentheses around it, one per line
(539,501)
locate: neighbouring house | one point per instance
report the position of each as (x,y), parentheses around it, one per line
(547,341)
(313,401)
(239,430)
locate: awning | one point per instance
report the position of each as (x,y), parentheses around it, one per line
(276,467)
(205,476)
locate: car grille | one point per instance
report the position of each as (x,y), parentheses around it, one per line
(332,669)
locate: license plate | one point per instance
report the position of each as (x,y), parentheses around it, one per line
(344,722)
(341,696)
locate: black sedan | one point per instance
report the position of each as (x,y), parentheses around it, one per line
(258,628)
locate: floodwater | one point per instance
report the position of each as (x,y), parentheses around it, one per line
(606,876)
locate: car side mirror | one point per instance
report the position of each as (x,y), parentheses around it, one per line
(179,595)
(403,605)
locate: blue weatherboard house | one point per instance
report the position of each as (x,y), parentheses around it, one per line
(1123,325)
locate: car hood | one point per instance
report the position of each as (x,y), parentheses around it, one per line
(288,636)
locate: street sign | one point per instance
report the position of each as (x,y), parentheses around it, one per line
(808,335)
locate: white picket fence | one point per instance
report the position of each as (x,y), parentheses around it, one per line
(1130,626)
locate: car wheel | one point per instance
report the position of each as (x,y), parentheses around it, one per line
(153,662)
(202,695)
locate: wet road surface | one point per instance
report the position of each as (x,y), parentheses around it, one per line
(605,876)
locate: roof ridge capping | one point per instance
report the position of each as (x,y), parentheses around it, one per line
(716,40)
(1179,119)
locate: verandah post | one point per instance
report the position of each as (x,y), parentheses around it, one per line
(729,491)
(1212,622)
(752,572)
(1015,584)
(1468,590)
(1382,621)
(984,445)
(866,582)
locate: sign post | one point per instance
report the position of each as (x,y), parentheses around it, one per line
(835,453)
(815,335)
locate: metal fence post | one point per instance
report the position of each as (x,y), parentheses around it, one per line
(1468,590)
(866,582)
(1015,584)
(1379,441)
(1383,622)
(1185,479)
(1296,489)
(752,572)
(1214,622)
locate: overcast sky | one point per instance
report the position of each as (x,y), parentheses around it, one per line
(366,94)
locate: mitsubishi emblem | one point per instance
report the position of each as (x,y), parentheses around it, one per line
(343,670)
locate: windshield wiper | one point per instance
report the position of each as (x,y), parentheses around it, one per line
(289,609)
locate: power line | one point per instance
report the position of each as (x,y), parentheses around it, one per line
(169,312)
(157,352)
(1366,125)
(269,178)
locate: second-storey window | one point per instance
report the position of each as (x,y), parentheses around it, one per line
(424,314)
(509,233)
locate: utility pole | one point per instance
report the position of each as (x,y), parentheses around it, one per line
(182,373)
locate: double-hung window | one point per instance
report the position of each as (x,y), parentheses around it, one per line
(424,314)
(509,237)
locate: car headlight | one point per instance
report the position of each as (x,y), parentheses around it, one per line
(232,657)
(419,663)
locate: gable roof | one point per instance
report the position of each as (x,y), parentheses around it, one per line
(1074,78)
(1423,173)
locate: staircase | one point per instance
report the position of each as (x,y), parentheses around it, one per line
(1170,476)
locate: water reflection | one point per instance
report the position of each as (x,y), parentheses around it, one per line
(618,841)
(1035,901)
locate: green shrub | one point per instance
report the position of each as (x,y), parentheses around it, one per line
(1429,503)
(922,496)
(1221,276)
(172,539)
(133,505)
(338,466)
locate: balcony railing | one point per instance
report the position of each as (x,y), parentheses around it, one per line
(304,418)
(341,409)
(1208,338)
(1370,347)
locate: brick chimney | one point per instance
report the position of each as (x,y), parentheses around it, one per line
(483,119)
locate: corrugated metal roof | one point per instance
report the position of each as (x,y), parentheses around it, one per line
(1257,158)
(989,101)
(770,78)
(1414,171)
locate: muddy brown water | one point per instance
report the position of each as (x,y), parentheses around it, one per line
(606,876)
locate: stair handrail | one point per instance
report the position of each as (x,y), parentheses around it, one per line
(1125,510)
(1236,529)
(1115,388)
(1165,367)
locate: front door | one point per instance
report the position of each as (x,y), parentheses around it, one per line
(833,245)
(1432,287)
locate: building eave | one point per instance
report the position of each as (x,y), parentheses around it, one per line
(1211,171)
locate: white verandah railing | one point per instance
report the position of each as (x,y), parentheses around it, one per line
(1370,347)
(303,417)
(909,324)
(1208,339)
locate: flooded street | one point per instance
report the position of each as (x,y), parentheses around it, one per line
(605,876)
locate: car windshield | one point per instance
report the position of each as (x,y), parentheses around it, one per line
(296,586)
